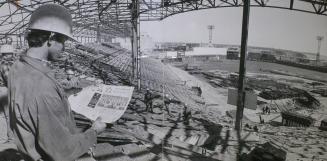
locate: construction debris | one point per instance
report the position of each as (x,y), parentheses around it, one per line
(295,119)
(266,152)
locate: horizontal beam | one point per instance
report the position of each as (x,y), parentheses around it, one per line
(117,13)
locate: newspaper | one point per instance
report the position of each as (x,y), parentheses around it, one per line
(106,101)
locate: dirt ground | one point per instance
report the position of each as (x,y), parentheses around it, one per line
(209,135)
(301,144)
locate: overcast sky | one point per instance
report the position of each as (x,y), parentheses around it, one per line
(276,28)
(268,27)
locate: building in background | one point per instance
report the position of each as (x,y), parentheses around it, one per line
(205,54)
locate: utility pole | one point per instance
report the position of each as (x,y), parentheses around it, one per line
(210,28)
(242,67)
(319,38)
(133,56)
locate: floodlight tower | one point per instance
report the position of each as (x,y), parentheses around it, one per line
(210,28)
(319,38)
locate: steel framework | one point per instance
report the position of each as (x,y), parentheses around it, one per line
(114,17)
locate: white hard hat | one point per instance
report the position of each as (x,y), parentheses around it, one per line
(53,18)
(70,72)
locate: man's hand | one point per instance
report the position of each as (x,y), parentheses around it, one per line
(98,125)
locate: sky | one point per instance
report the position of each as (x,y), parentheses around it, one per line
(268,27)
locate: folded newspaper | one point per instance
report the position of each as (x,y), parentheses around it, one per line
(108,102)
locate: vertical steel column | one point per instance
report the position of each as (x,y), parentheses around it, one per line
(135,41)
(133,56)
(138,46)
(242,68)
(135,48)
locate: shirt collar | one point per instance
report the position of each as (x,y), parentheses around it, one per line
(37,64)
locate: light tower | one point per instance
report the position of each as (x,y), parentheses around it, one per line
(319,38)
(210,28)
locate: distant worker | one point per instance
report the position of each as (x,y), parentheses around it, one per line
(187,114)
(70,74)
(39,111)
(167,100)
(7,53)
(69,64)
(4,71)
(71,81)
(199,91)
(266,110)
(262,121)
(104,76)
(148,100)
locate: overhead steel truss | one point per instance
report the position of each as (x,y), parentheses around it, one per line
(115,17)
(159,10)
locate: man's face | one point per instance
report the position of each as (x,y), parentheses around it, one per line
(56,47)
(70,76)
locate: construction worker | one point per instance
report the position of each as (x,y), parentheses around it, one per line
(6,61)
(7,53)
(187,114)
(199,91)
(167,101)
(148,100)
(40,116)
(71,81)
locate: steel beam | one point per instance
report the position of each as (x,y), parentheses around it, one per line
(135,40)
(115,14)
(242,66)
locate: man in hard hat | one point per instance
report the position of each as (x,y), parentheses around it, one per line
(40,116)
(148,100)
(71,81)
(167,101)
(6,61)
